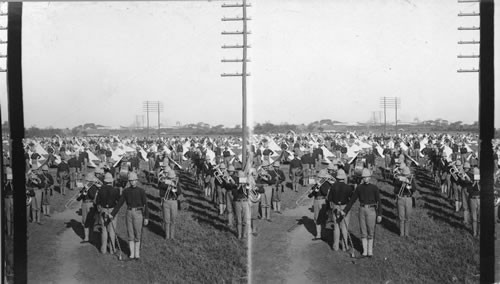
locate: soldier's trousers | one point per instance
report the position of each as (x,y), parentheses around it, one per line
(367,219)
(134,224)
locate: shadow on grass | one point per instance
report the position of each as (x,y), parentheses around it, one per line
(448,215)
(153,207)
(153,198)
(390,225)
(308,223)
(77,227)
(454,224)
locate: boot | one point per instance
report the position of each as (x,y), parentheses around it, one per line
(137,250)
(238,228)
(86,233)
(172,231)
(457,207)
(407,229)
(318,231)
(278,204)
(365,246)
(167,231)
(245,231)
(474,229)
(221,209)
(401,228)
(466,217)
(370,247)
(47,210)
(268,213)
(230,219)
(274,206)
(131,245)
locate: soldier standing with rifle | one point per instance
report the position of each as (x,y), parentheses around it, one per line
(339,195)
(137,213)
(106,200)
(369,210)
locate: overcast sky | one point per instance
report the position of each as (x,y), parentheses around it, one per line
(311,60)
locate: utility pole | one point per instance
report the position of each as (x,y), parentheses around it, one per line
(390,102)
(152,106)
(244,61)
(16,125)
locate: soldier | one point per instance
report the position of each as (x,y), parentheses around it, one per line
(83,159)
(8,192)
(456,187)
(278,187)
(87,195)
(267,179)
(137,213)
(221,191)
(403,190)
(106,200)
(229,186)
(369,210)
(319,209)
(474,190)
(295,171)
(48,189)
(209,180)
(339,195)
(74,168)
(63,174)
(241,204)
(36,184)
(169,195)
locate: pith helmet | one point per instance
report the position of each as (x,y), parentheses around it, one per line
(132,176)
(323,173)
(108,177)
(366,173)
(341,174)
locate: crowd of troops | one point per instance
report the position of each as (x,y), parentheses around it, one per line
(247,192)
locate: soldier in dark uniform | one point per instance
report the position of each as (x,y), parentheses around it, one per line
(268,180)
(369,210)
(229,185)
(209,179)
(137,213)
(338,197)
(474,196)
(83,158)
(74,167)
(278,187)
(48,190)
(295,171)
(87,195)
(319,208)
(169,194)
(242,207)
(36,183)
(63,174)
(106,200)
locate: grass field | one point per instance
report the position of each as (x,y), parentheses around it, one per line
(205,249)
(440,249)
